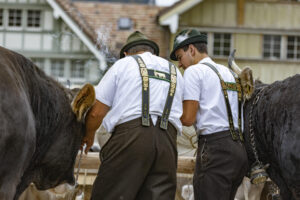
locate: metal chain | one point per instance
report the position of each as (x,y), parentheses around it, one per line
(78,166)
(252,136)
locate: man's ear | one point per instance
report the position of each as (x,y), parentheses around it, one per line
(192,49)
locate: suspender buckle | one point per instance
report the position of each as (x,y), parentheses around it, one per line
(145,121)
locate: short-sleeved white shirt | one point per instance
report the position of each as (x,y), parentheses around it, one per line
(121,89)
(203,85)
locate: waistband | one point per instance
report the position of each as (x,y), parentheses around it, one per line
(215,136)
(138,121)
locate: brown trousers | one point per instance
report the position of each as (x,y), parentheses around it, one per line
(138,163)
(220,167)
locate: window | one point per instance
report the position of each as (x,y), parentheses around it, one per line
(77,69)
(57,68)
(293,47)
(1,17)
(272,44)
(124,23)
(34,18)
(222,43)
(15,17)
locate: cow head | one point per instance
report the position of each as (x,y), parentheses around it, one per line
(245,76)
(56,166)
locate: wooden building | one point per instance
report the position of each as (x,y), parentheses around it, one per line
(265,33)
(52,38)
(75,40)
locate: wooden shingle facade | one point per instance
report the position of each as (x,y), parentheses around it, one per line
(36,29)
(265,33)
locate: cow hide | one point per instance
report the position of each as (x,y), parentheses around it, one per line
(275,111)
(39,133)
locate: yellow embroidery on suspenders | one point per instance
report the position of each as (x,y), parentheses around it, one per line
(150,73)
(145,84)
(144,74)
(235,87)
(173,84)
(144,71)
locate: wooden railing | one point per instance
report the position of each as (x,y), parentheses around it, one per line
(91,161)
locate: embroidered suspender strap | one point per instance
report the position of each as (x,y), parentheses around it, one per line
(240,99)
(229,113)
(150,73)
(145,90)
(159,75)
(169,100)
(231,86)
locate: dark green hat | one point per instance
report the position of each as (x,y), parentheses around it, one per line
(185,37)
(137,38)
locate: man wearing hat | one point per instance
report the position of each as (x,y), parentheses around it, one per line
(212,100)
(139,100)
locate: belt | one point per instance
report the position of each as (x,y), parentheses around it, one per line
(215,136)
(138,121)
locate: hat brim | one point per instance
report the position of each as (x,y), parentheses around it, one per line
(139,42)
(195,39)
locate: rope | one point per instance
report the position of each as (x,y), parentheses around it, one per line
(78,166)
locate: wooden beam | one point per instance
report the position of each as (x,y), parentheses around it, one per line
(240,12)
(92,161)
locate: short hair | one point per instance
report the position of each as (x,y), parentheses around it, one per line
(140,47)
(200,46)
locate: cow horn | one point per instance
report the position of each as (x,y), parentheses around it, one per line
(83,101)
(245,76)
(232,65)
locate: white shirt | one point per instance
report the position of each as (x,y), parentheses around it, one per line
(121,89)
(203,85)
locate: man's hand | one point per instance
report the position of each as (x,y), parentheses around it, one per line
(89,141)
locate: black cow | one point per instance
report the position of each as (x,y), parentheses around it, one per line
(39,133)
(275,113)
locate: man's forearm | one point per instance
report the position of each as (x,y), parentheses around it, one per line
(190,109)
(92,122)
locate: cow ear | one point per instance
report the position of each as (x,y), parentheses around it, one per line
(247,82)
(83,101)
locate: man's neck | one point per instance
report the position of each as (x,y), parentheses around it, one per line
(199,57)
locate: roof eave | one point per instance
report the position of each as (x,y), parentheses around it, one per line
(59,12)
(171,18)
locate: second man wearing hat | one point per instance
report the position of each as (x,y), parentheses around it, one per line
(139,100)
(212,99)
